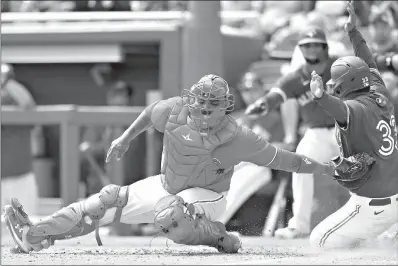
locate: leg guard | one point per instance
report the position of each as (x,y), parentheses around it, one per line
(76,219)
(177,220)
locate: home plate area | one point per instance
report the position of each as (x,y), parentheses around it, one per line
(160,251)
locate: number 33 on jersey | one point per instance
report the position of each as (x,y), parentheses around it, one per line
(371,128)
(389,136)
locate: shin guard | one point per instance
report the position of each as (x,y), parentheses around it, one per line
(77,219)
(178,221)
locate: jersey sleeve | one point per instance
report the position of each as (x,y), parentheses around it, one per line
(376,79)
(161,112)
(248,147)
(287,85)
(356,113)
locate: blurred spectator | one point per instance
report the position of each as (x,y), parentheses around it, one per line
(178,5)
(46,6)
(391,81)
(277,14)
(336,10)
(383,32)
(5,6)
(153,5)
(385,6)
(17,177)
(384,40)
(328,15)
(236,5)
(102,5)
(11,5)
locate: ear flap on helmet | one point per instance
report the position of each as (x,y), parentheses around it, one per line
(350,74)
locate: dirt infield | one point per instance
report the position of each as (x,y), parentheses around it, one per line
(139,251)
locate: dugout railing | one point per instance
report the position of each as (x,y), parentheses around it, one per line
(70,118)
(164,16)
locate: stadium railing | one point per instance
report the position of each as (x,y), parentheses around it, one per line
(12,17)
(70,118)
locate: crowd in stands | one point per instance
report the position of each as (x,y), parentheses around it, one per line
(90,5)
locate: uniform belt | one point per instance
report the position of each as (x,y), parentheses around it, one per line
(381,202)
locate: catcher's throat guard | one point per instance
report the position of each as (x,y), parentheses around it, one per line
(178,221)
(208,101)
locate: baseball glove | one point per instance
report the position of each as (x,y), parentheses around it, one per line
(353,172)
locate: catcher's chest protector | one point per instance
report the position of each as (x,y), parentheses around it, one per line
(186,158)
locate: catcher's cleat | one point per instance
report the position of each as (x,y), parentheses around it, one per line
(177,220)
(18,224)
(229,244)
(76,219)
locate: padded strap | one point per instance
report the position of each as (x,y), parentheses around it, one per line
(97,236)
(124,194)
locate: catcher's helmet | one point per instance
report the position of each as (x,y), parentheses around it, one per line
(208,101)
(348,74)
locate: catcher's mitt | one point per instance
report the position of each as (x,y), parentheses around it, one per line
(353,172)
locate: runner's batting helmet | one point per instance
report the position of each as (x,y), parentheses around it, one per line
(348,74)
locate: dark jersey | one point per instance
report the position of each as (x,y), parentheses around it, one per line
(297,85)
(371,128)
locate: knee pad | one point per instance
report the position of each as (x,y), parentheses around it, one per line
(82,217)
(110,196)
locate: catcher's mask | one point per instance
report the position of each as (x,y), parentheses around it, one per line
(348,74)
(209,100)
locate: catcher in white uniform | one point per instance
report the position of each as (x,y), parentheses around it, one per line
(202,144)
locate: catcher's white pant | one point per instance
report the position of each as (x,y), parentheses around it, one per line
(246,180)
(144,194)
(319,144)
(358,220)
